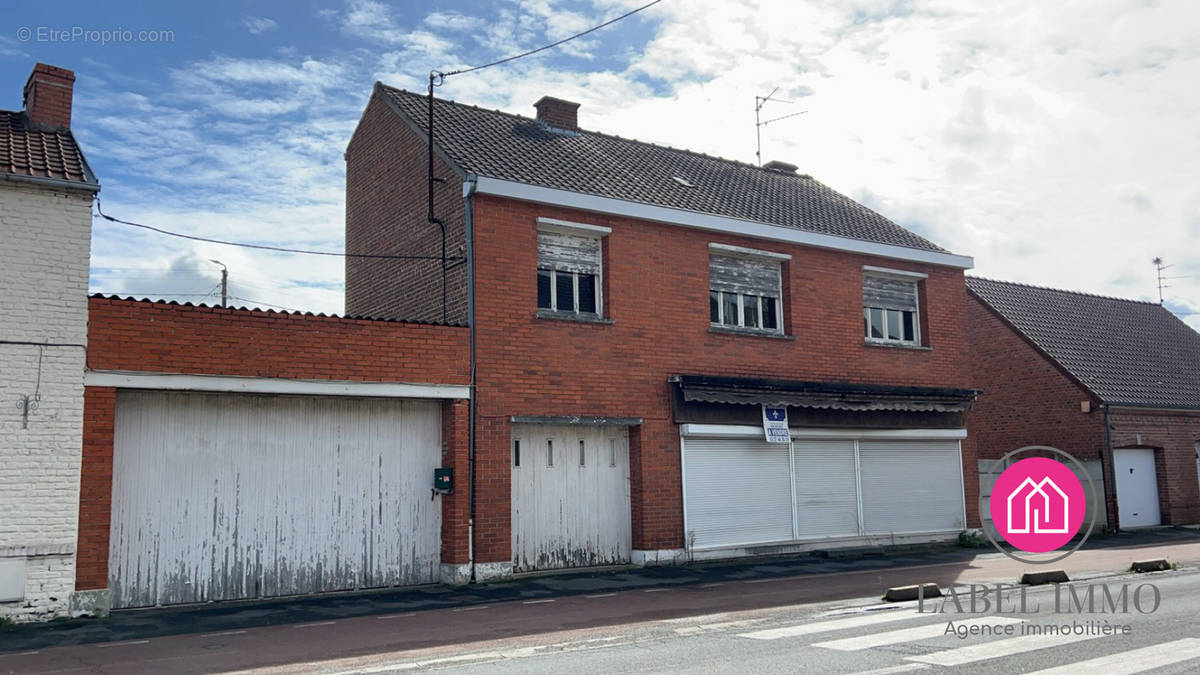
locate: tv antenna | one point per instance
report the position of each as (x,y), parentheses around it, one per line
(1160,266)
(759,102)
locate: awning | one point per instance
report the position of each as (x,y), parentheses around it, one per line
(823,395)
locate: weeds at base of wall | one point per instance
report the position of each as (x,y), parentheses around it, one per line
(6,622)
(970,539)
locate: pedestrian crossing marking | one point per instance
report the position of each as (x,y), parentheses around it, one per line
(910,634)
(1135,660)
(872,619)
(998,648)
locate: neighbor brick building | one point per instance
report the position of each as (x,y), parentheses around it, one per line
(635,309)
(46,190)
(1115,383)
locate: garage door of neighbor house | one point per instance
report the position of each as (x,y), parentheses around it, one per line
(570,496)
(742,491)
(227,496)
(1137,487)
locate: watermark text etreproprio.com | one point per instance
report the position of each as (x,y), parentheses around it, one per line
(97,36)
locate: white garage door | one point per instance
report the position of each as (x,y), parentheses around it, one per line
(570,496)
(741,491)
(1137,487)
(226,496)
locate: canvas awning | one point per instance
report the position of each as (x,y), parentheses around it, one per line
(822,395)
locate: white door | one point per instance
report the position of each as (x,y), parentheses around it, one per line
(1137,487)
(227,496)
(570,496)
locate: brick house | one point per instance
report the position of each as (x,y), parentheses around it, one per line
(1115,383)
(46,191)
(636,310)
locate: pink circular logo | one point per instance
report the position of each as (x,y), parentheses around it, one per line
(1037,504)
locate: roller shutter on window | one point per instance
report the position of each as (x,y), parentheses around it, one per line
(738,274)
(568,252)
(889,293)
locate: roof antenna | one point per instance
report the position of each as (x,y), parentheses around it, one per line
(759,102)
(1160,267)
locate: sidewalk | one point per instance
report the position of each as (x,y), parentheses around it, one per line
(851,574)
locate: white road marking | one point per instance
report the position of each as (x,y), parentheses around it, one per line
(997,649)
(24,653)
(656,590)
(600,595)
(831,625)
(223,633)
(1135,660)
(313,625)
(713,585)
(396,616)
(716,627)
(903,668)
(470,609)
(761,581)
(121,644)
(537,602)
(913,634)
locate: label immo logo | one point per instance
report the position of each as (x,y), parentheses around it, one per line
(1038,505)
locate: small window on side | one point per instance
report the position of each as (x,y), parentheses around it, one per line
(582,454)
(549,452)
(517,452)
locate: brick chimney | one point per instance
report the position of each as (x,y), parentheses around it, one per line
(48,94)
(557,113)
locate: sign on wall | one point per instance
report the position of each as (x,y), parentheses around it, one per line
(775,425)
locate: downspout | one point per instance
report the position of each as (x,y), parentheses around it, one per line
(1111,473)
(469,210)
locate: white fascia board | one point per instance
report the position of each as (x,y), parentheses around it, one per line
(887,271)
(568,227)
(751,252)
(271,385)
(747,431)
(705,221)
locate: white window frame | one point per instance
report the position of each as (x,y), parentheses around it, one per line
(762,256)
(915,278)
(578,230)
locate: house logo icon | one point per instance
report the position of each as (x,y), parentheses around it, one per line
(1038,505)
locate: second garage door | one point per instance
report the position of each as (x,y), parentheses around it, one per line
(226,496)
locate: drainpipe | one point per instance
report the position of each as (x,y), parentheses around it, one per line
(1111,473)
(468,197)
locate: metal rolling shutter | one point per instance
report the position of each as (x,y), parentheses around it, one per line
(736,491)
(826,489)
(911,486)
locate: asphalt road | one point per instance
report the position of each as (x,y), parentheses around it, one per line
(841,638)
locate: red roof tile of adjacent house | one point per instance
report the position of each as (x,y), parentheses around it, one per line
(29,150)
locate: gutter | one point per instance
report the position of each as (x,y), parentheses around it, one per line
(469,219)
(1110,477)
(44,181)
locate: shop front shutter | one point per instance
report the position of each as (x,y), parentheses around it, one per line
(826,489)
(911,486)
(736,491)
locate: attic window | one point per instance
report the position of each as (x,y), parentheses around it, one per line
(683,181)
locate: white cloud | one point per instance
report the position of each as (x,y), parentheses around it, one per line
(257,25)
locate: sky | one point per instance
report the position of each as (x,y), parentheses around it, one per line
(1057,143)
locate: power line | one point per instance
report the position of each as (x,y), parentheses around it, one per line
(265,304)
(264,247)
(552,45)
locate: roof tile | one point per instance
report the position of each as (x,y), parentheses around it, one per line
(36,151)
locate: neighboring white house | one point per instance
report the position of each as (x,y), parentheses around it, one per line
(46,190)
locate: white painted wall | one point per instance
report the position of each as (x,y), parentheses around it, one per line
(45,240)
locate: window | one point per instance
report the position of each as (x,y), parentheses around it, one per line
(744,292)
(517,453)
(890,308)
(568,276)
(582,454)
(549,452)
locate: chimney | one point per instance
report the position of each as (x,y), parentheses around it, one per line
(48,94)
(557,113)
(780,167)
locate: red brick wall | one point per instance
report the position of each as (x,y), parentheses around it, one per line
(132,335)
(386,211)
(657,296)
(1026,399)
(1173,435)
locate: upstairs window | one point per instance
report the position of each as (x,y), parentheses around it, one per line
(891,312)
(569,268)
(745,291)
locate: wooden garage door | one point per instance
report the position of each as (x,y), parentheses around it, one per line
(570,496)
(226,496)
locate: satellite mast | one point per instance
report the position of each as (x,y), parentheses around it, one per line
(759,102)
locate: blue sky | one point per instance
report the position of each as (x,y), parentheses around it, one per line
(1055,143)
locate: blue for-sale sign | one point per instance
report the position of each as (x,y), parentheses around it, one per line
(775,425)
